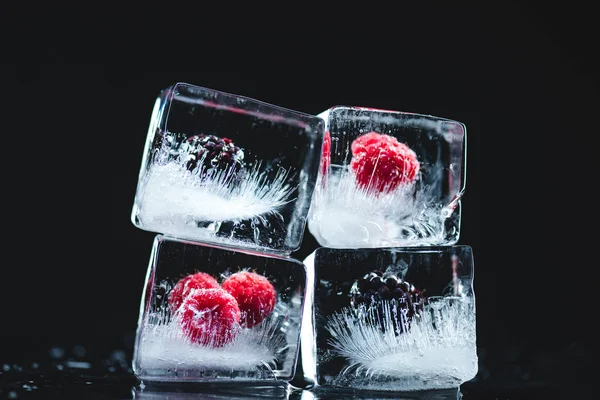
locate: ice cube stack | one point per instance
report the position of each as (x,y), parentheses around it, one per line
(229,185)
(393,303)
(226,183)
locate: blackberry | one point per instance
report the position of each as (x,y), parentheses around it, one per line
(385,297)
(212,154)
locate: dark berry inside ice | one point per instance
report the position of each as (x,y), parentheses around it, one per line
(210,154)
(388,299)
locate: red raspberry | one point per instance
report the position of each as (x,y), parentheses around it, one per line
(199,280)
(209,316)
(326,156)
(382,163)
(255,295)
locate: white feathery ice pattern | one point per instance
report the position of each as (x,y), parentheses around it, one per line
(163,345)
(438,350)
(344,214)
(176,198)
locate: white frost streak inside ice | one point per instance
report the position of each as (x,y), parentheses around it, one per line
(174,196)
(346,215)
(163,346)
(440,346)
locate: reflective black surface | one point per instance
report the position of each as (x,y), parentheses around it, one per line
(105,373)
(79,83)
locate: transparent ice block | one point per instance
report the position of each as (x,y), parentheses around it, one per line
(390,319)
(211,315)
(388,179)
(226,169)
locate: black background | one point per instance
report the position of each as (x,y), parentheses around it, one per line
(81,80)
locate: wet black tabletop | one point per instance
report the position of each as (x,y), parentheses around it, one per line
(104,372)
(80,86)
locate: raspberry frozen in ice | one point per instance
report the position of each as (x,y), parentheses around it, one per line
(255,295)
(326,153)
(381,163)
(209,317)
(199,280)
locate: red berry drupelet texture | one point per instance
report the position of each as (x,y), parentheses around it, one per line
(326,153)
(209,317)
(255,295)
(381,163)
(199,280)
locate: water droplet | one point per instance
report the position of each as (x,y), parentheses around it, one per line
(57,352)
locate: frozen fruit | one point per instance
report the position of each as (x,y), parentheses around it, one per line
(199,280)
(255,295)
(209,317)
(376,291)
(381,163)
(326,153)
(214,153)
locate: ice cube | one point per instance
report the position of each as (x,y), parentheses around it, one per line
(225,169)
(388,179)
(396,319)
(212,315)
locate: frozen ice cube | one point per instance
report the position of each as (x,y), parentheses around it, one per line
(388,179)
(395,319)
(225,169)
(212,315)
